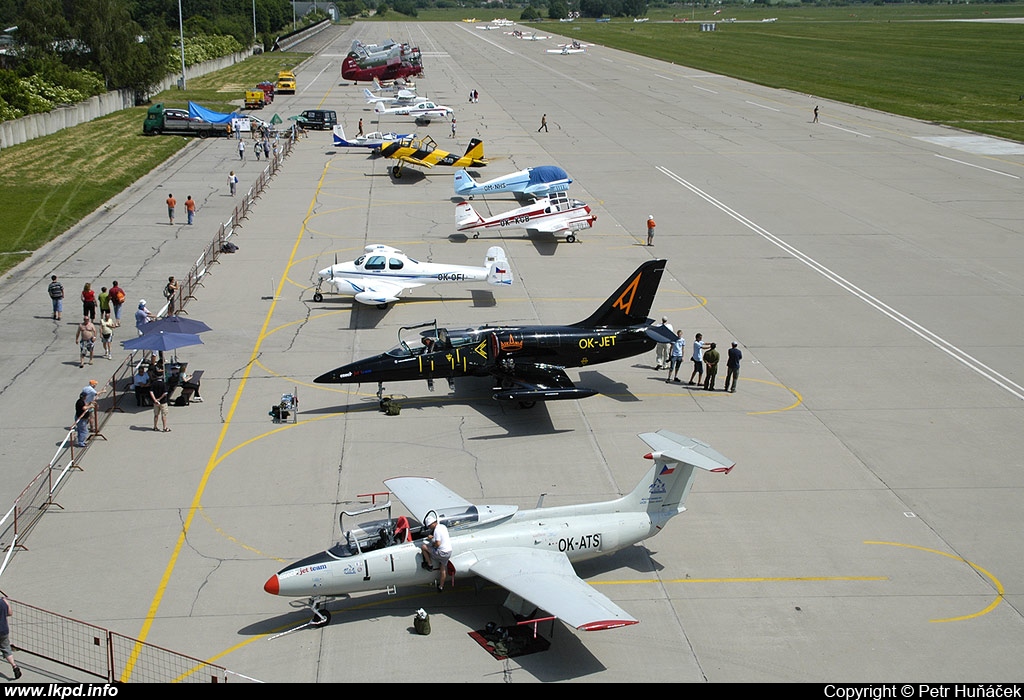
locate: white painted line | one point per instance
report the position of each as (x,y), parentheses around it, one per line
(915,328)
(972,165)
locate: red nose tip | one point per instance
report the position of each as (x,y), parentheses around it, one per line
(272,586)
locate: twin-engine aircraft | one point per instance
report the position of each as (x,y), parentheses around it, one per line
(425,153)
(531,182)
(527,362)
(374,139)
(554,214)
(403,96)
(422,111)
(529,553)
(382,274)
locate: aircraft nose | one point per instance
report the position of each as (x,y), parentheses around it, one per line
(272,586)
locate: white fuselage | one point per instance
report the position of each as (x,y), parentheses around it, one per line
(569,530)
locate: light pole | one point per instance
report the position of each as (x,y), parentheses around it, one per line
(181,38)
(254,21)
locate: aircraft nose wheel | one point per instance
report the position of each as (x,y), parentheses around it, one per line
(321,618)
(571,238)
(318,297)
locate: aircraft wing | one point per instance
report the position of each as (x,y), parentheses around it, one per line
(547,580)
(373,290)
(414,161)
(538,382)
(421,495)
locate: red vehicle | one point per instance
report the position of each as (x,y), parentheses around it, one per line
(268,91)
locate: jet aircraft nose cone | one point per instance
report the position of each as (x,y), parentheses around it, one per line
(272,586)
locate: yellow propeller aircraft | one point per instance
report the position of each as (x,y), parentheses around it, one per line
(425,152)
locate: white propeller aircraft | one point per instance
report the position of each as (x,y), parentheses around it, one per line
(531,182)
(374,139)
(529,553)
(422,112)
(382,274)
(555,214)
(402,96)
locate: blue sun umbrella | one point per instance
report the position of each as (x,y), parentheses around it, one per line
(162,341)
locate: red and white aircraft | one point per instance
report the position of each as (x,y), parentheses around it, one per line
(554,214)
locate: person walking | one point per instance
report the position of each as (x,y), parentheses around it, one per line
(171,203)
(56,291)
(650,229)
(675,360)
(85,336)
(698,359)
(256,149)
(360,133)
(453,127)
(732,368)
(89,301)
(711,359)
(106,334)
(663,350)
(117,296)
(266,148)
(190,209)
(5,637)
(241,149)
(91,392)
(104,302)
(815,120)
(232,182)
(543,123)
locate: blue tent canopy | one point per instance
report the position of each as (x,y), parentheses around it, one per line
(210,116)
(547,173)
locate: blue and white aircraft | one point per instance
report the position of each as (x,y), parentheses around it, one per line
(374,139)
(403,96)
(532,182)
(382,273)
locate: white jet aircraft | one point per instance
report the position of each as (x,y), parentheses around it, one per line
(422,112)
(529,553)
(382,274)
(531,182)
(554,214)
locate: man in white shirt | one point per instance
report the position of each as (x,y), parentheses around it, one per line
(437,548)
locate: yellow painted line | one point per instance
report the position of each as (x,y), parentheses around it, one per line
(754,579)
(214,459)
(1000,591)
(799,398)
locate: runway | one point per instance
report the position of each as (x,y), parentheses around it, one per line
(869,267)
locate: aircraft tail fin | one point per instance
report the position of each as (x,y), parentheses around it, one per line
(370,97)
(498,270)
(464,183)
(466,216)
(665,488)
(475,149)
(339,135)
(630,304)
(378,108)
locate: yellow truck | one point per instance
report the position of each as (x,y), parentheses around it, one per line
(255,99)
(285,82)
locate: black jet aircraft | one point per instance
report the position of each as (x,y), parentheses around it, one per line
(528,362)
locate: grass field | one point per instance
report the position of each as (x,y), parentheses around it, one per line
(894,58)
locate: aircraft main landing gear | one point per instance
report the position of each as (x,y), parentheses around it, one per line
(396,171)
(570,238)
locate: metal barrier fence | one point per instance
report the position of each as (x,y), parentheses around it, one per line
(106,655)
(41,492)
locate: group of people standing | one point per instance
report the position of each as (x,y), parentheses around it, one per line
(705,358)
